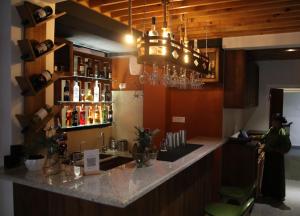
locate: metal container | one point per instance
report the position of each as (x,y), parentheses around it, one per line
(123,145)
(114,144)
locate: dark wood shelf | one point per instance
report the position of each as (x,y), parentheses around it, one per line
(84,127)
(28,52)
(29,127)
(26,11)
(72,103)
(27,87)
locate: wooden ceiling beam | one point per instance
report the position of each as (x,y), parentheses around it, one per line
(237,13)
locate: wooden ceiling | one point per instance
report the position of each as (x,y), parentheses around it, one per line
(217,18)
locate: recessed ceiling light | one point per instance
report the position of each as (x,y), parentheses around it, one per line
(291,50)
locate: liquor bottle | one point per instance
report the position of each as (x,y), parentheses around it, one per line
(89,69)
(43,47)
(107,94)
(86,65)
(96,74)
(42,13)
(75,66)
(41,114)
(153,31)
(110,114)
(82,116)
(108,72)
(89,96)
(104,114)
(96,92)
(67,91)
(105,72)
(74,117)
(97,115)
(80,67)
(38,81)
(90,116)
(69,118)
(76,92)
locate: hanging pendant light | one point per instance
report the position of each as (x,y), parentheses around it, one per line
(129,37)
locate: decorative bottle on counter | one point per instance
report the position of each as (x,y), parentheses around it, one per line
(67,91)
(41,48)
(42,13)
(96,92)
(38,81)
(76,92)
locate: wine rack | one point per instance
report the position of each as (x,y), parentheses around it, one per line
(26,11)
(33,65)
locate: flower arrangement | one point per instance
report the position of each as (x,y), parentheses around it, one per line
(144,139)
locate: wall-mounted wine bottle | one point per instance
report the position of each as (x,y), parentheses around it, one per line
(67,91)
(41,48)
(41,114)
(42,13)
(38,81)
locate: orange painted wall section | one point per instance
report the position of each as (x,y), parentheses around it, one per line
(202,109)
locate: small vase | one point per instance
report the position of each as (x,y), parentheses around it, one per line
(141,159)
(35,162)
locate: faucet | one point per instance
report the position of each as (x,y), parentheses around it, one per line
(104,147)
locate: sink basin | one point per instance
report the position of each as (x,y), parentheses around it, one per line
(114,162)
(175,154)
(103,156)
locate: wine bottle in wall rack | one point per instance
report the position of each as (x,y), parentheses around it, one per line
(38,81)
(41,48)
(42,13)
(41,114)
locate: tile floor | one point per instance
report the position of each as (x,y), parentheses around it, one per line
(291,206)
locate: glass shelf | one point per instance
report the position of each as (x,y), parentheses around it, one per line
(86,78)
(88,126)
(83,102)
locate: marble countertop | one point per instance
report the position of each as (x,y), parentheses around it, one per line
(117,187)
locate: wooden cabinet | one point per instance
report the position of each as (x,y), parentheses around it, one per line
(241,80)
(242,163)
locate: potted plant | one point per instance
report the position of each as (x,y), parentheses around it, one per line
(43,143)
(143,147)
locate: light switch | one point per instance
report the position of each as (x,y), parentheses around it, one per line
(178,119)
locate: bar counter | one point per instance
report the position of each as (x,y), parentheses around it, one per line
(118,187)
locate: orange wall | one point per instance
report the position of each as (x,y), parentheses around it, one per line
(202,109)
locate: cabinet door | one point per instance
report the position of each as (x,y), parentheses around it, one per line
(235,79)
(252,82)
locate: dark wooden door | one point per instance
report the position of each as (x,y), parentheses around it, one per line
(276,102)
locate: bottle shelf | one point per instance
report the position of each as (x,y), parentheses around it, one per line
(26,11)
(88,126)
(85,78)
(27,87)
(29,127)
(73,103)
(28,52)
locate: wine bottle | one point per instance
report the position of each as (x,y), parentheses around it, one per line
(43,47)
(76,92)
(96,92)
(96,74)
(41,114)
(80,67)
(67,91)
(38,81)
(89,96)
(110,114)
(42,13)
(75,66)
(107,94)
(74,117)
(90,116)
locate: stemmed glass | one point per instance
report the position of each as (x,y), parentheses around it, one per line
(166,79)
(144,75)
(154,77)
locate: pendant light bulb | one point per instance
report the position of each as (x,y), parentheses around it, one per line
(129,38)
